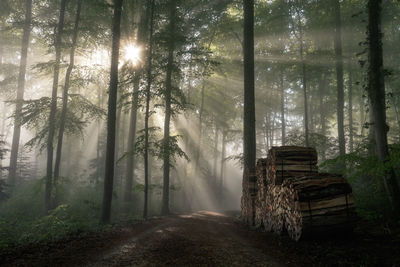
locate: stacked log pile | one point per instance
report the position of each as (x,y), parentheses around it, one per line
(317,204)
(292,195)
(290,161)
(249,187)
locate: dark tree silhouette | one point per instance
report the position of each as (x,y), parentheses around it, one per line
(112,114)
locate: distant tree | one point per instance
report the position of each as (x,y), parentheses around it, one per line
(339,75)
(65,94)
(20,92)
(168,92)
(111,119)
(53,108)
(151,5)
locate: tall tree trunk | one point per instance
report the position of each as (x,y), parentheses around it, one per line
(214,170)
(351,128)
(200,127)
(150,4)
(376,93)
(339,76)
(249,119)
(222,170)
(304,82)
(283,122)
(112,109)
(20,93)
(321,94)
(99,129)
(117,139)
(65,95)
(130,165)
(167,120)
(53,109)
(362,116)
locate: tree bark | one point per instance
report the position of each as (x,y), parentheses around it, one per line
(222,170)
(321,93)
(351,128)
(130,165)
(65,95)
(53,109)
(362,116)
(283,122)
(214,170)
(249,130)
(147,112)
(200,127)
(167,120)
(304,82)
(339,76)
(376,94)
(111,120)
(20,93)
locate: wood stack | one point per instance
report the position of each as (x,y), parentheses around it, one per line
(249,187)
(260,200)
(290,161)
(292,195)
(322,203)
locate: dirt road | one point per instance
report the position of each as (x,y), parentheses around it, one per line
(203,239)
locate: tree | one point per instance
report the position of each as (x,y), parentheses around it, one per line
(147,111)
(339,76)
(377,98)
(111,119)
(249,132)
(53,108)
(65,94)
(20,92)
(168,91)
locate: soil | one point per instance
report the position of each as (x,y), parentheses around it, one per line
(206,239)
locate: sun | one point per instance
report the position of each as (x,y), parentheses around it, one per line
(132,54)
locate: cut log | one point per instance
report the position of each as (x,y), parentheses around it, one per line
(288,192)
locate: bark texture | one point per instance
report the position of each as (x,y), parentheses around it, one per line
(112,116)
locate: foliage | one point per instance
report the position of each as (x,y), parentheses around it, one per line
(35,117)
(365,172)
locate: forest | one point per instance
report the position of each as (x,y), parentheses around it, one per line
(137,123)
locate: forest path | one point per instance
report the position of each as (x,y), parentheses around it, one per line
(198,239)
(205,239)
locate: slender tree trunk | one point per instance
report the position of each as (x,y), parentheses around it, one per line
(200,127)
(20,93)
(351,129)
(321,93)
(168,91)
(147,112)
(130,165)
(53,109)
(117,139)
(339,77)
(65,96)
(283,109)
(249,119)
(376,93)
(99,125)
(396,110)
(362,117)
(222,170)
(304,82)
(111,120)
(214,172)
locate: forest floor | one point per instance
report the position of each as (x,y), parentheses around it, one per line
(205,239)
